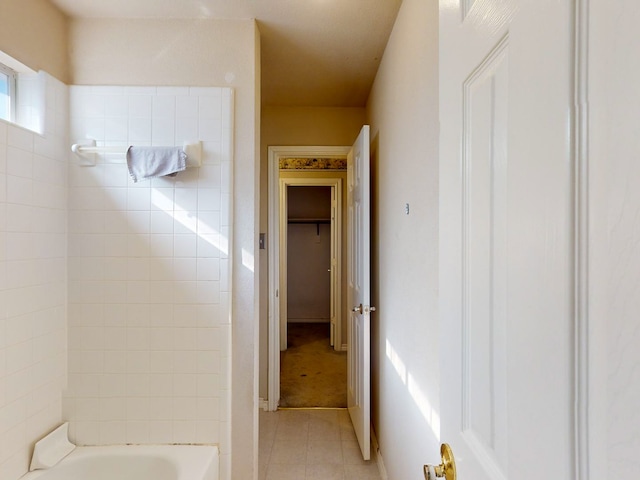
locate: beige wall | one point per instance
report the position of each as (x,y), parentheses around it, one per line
(308,282)
(34,32)
(403,113)
(163,52)
(308,255)
(299,126)
(200,53)
(310,126)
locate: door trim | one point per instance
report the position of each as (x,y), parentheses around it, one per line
(585,359)
(275,153)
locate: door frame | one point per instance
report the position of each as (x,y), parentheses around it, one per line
(275,241)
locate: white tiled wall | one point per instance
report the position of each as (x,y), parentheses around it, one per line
(33,245)
(31,101)
(149,327)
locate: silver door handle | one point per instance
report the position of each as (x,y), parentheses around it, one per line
(361,309)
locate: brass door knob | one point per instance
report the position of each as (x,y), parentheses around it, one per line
(446,470)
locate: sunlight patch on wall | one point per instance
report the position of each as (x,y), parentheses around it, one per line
(247,260)
(191,222)
(421,400)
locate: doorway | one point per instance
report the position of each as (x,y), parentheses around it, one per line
(354,169)
(278,233)
(312,372)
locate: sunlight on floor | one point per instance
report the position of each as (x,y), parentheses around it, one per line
(311,444)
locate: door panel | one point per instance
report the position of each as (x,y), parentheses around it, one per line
(485,102)
(358,291)
(505,237)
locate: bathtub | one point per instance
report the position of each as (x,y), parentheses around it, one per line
(134,462)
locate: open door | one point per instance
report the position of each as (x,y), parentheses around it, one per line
(358,291)
(506,285)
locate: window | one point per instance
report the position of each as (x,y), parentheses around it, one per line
(7,93)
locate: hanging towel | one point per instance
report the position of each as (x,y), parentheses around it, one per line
(151,162)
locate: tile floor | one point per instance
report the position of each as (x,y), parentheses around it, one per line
(311,445)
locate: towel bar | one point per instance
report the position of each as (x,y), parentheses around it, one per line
(86,153)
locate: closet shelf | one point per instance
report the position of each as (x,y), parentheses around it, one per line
(309,220)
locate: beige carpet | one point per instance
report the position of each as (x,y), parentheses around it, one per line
(312,373)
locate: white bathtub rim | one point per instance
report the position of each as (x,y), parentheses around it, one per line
(200,459)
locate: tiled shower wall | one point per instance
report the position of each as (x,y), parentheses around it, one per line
(149,322)
(33,274)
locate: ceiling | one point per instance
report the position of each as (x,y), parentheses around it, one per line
(314,52)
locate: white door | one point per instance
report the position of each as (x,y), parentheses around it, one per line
(358,291)
(506,238)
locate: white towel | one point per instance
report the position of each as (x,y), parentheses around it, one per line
(151,162)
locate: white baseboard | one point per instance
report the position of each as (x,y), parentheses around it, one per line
(344,347)
(378,456)
(263,404)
